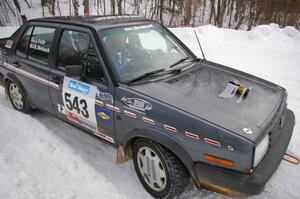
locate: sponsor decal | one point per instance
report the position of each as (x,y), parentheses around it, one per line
(61,109)
(79,98)
(137,104)
(104,96)
(192,135)
(112,17)
(133,28)
(209,141)
(9,43)
(103,115)
(79,87)
(74,118)
(81,121)
(170,128)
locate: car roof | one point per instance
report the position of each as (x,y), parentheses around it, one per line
(98,22)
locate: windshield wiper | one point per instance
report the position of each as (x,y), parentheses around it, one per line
(146,75)
(184,59)
(179,61)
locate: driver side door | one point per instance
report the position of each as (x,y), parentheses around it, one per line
(82,100)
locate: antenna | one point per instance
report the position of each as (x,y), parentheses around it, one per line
(199,44)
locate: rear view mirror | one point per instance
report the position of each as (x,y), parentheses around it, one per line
(74,70)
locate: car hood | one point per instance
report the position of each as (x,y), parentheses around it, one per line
(197,92)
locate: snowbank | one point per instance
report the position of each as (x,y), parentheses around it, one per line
(7,31)
(42,157)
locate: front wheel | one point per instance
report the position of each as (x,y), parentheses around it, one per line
(161,173)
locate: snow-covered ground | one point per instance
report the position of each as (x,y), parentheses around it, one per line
(43,157)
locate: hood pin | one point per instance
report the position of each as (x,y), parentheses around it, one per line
(247,130)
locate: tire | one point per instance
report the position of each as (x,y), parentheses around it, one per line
(17,98)
(168,176)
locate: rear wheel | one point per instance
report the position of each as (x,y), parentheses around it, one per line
(17,98)
(161,173)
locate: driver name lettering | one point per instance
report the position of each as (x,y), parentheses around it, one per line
(38,41)
(37,44)
(38,47)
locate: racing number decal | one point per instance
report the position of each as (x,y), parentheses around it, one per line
(79,99)
(80,107)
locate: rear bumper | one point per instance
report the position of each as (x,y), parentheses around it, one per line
(233,183)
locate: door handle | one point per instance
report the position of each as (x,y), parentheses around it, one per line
(56,79)
(16,64)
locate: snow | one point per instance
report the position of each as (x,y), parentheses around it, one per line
(43,157)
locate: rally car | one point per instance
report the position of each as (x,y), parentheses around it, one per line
(131,82)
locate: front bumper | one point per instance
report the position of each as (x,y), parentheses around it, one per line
(234,183)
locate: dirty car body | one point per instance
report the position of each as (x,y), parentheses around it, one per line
(229,129)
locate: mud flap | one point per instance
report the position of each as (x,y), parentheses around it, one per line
(122,157)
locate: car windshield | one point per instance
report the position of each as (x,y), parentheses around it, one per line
(137,50)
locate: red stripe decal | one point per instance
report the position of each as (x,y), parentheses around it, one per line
(191,135)
(113,108)
(130,114)
(110,107)
(170,128)
(99,103)
(149,121)
(209,141)
(30,76)
(105,137)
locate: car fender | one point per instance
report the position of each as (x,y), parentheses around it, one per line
(13,78)
(166,140)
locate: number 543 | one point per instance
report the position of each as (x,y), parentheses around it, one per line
(79,105)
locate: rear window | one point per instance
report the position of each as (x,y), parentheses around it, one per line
(23,44)
(36,43)
(40,44)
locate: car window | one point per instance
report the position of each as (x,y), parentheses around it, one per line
(76,48)
(40,44)
(93,66)
(23,44)
(156,43)
(141,49)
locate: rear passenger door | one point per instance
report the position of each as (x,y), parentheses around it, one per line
(30,63)
(82,101)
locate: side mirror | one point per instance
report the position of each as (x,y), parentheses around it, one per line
(74,70)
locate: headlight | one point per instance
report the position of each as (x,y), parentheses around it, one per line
(261,150)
